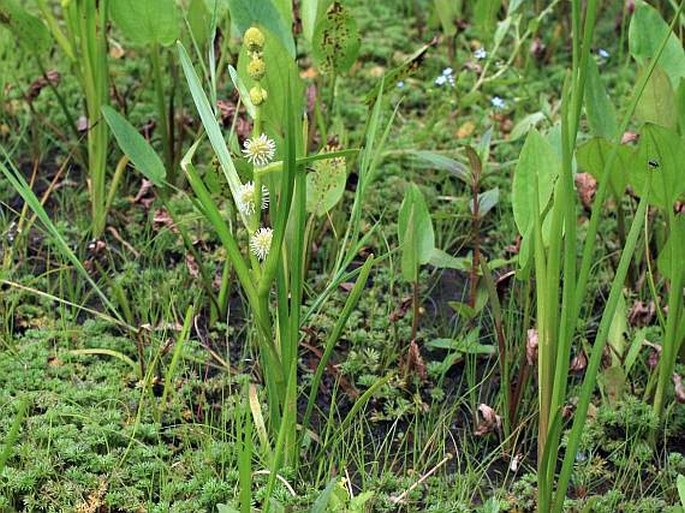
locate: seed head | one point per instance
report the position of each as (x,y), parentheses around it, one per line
(256,68)
(260,243)
(254,39)
(247,200)
(259,151)
(258,95)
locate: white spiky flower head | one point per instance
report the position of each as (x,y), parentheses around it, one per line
(259,150)
(260,243)
(247,199)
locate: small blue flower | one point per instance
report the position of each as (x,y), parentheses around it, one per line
(441,80)
(400,84)
(603,53)
(447,72)
(480,54)
(498,103)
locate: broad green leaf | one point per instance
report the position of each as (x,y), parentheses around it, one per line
(617,332)
(537,168)
(447,11)
(664,149)
(600,111)
(199,20)
(28,30)
(502,30)
(147,22)
(416,237)
(657,103)
(593,155)
(465,346)
(454,167)
(444,260)
(485,16)
(135,147)
(681,489)
(526,124)
(486,201)
(310,10)
(262,13)
(647,31)
(680,105)
(224,508)
(336,40)
(674,247)
(325,185)
(321,503)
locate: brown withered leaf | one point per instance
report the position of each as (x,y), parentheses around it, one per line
(415,363)
(490,421)
(629,137)
(587,188)
(51,77)
(579,362)
(346,286)
(162,219)
(192,265)
(401,310)
(679,388)
(145,195)
(641,314)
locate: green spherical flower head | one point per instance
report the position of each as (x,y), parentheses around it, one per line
(258,95)
(254,39)
(256,68)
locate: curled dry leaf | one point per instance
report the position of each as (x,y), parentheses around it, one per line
(192,265)
(401,310)
(538,49)
(415,363)
(629,137)
(579,362)
(532,346)
(641,314)
(162,219)
(587,187)
(51,77)
(654,355)
(679,388)
(490,422)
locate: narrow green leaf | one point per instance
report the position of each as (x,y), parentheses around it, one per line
(135,147)
(210,124)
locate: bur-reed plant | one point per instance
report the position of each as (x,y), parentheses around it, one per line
(548,224)
(83,40)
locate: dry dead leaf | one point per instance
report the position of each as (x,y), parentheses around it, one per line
(490,422)
(532,347)
(587,188)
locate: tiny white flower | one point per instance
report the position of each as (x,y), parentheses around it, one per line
(480,54)
(400,84)
(247,202)
(498,103)
(260,243)
(259,150)
(441,80)
(603,53)
(447,72)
